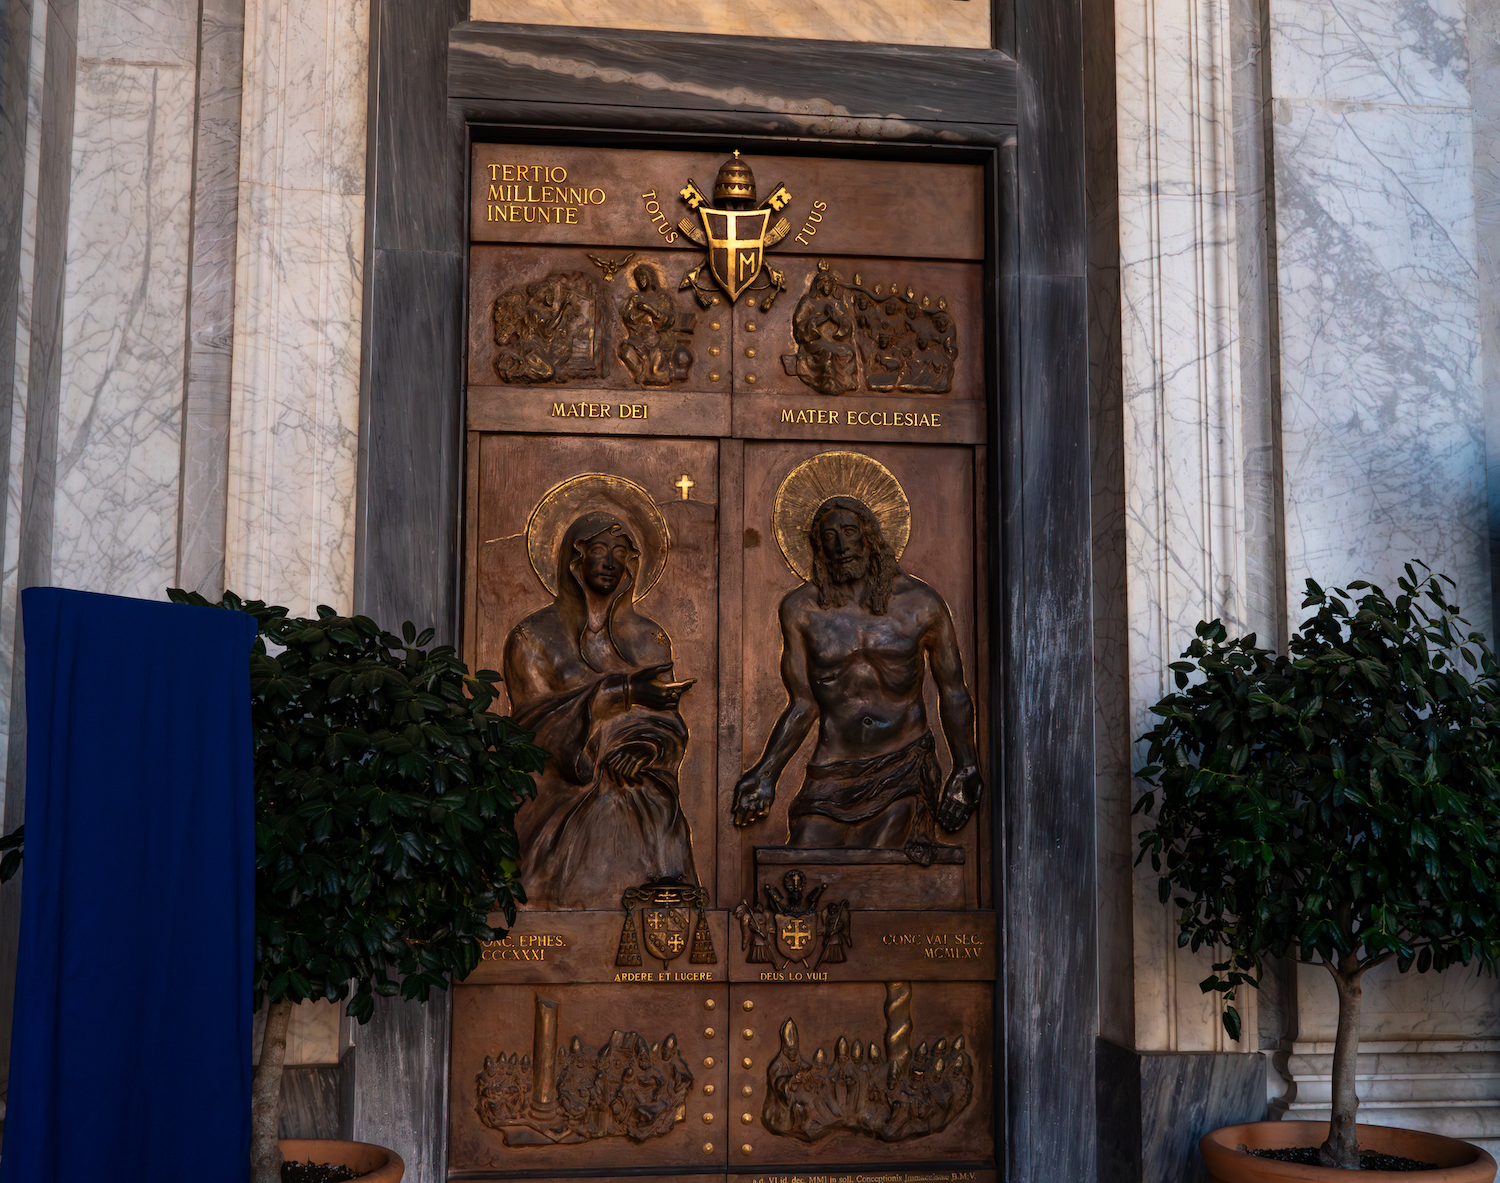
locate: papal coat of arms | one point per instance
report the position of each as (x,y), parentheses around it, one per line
(736,230)
(789,927)
(665,917)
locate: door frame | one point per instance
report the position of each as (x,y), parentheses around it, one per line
(437,82)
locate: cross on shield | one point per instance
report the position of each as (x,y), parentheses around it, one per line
(797,934)
(665,929)
(736,246)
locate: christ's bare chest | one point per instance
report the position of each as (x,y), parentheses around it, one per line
(837,639)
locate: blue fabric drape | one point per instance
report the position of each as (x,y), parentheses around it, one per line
(130,1052)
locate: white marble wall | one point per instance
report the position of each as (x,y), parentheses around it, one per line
(1382,415)
(108,462)
(1429,1052)
(299,274)
(119,429)
(134,271)
(1370,345)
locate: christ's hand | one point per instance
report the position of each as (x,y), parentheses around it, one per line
(753,797)
(960,797)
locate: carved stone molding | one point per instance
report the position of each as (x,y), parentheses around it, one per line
(1183,435)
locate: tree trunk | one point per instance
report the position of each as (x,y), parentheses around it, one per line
(265,1096)
(1342,1147)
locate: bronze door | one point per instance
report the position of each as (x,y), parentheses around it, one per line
(726,546)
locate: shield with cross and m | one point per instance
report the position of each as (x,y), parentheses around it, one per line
(736,246)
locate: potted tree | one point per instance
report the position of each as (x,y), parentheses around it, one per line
(1338,805)
(385,834)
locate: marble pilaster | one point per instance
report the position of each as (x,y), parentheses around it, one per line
(119,419)
(1484,90)
(299,273)
(24,154)
(205,425)
(1185,527)
(95,385)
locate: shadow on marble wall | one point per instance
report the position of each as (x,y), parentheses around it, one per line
(310,1102)
(1153,1107)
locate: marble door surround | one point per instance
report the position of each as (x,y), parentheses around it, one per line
(437,81)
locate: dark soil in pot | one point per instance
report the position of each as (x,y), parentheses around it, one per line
(315,1172)
(1369,1160)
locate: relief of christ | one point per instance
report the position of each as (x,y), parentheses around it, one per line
(859,638)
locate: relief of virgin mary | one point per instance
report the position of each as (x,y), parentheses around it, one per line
(591,676)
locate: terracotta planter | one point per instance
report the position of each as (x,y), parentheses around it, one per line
(384,1166)
(1458,1162)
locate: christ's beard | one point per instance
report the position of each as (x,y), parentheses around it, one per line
(850,569)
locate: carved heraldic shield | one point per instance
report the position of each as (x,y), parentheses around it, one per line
(667,917)
(736,246)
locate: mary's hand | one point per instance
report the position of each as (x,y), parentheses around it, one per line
(623,765)
(649,689)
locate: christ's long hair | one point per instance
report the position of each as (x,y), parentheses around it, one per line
(882,570)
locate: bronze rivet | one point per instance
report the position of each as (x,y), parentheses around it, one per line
(713,376)
(708,1033)
(708,1148)
(747,1062)
(748,1005)
(750,378)
(749,353)
(750,326)
(748,1090)
(747,1149)
(750,301)
(714,326)
(713,351)
(746,1118)
(708,1119)
(708,1061)
(708,1090)
(709,1004)
(748,1033)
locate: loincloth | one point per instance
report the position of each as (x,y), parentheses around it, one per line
(852,791)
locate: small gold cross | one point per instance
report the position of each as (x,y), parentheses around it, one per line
(685,484)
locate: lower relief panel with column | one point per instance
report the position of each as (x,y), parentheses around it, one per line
(794,1078)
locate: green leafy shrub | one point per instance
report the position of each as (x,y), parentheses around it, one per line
(1338,805)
